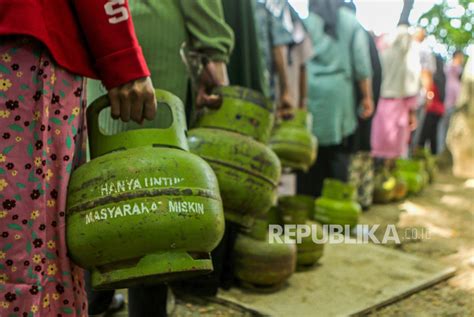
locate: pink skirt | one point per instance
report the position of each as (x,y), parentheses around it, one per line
(41,129)
(390,127)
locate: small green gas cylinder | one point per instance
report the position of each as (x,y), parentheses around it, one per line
(424,155)
(338,204)
(248,171)
(384,186)
(243,111)
(294,143)
(295,209)
(401,189)
(413,172)
(144,209)
(309,250)
(262,265)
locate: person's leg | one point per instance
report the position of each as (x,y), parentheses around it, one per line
(339,163)
(426,130)
(226,274)
(355,172)
(429,131)
(442,130)
(379,163)
(148,301)
(443,127)
(434,133)
(390,164)
(367,181)
(99,301)
(416,135)
(222,274)
(311,182)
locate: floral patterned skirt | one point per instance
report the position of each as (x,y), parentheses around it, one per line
(41,125)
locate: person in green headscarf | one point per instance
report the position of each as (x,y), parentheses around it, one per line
(163,28)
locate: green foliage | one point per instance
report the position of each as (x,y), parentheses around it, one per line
(449,24)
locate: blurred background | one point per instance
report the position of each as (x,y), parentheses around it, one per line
(449,23)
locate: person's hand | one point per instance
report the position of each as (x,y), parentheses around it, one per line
(286,107)
(213,75)
(367,108)
(134,100)
(412,121)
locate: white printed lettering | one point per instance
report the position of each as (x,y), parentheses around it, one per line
(117,11)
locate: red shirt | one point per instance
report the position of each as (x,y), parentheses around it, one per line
(93,38)
(436,105)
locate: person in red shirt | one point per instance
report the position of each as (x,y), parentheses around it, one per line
(46,48)
(435,109)
(434,113)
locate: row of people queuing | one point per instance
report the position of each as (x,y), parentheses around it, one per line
(327,64)
(373,99)
(418,95)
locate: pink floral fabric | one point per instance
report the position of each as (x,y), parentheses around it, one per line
(41,124)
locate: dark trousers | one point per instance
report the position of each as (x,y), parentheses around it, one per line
(223,274)
(429,131)
(149,301)
(99,301)
(332,162)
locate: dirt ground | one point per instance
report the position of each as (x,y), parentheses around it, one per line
(444,218)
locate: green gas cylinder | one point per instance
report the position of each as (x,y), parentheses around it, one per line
(274,216)
(243,111)
(295,209)
(338,204)
(262,265)
(228,139)
(401,189)
(309,252)
(294,143)
(413,172)
(384,187)
(145,209)
(247,170)
(424,155)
